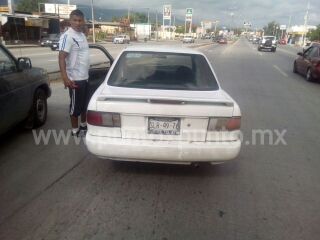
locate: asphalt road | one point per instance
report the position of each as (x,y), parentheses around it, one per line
(270,191)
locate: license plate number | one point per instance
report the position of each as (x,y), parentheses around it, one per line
(54,45)
(163,126)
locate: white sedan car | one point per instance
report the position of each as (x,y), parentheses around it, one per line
(164,105)
(188,39)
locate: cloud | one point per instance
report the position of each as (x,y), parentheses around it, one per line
(258,12)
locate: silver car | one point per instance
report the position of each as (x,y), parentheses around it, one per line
(188,39)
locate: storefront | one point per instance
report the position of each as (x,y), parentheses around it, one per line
(295,33)
(26,29)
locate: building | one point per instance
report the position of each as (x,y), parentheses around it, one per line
(26,28)
(295,33)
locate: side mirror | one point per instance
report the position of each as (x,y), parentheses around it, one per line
(300,54)
(24,63)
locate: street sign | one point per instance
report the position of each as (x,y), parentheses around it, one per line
(283,27)
(189,14)
(167,12)
(189,11)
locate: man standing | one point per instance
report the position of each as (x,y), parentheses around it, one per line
(74,62)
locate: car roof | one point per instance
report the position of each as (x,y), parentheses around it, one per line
(170,49)
(315,44)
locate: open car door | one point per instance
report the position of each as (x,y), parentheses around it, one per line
(100,63)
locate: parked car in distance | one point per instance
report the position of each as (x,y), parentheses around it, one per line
(54,43)
(23,92)
(308,63)
(45,42)
(283,42)
(121,39)
(165,105)
(188,39)
(223,41)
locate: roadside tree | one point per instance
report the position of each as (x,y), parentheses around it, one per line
(29,5)
(314,35)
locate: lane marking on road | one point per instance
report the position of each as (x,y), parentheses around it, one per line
(260,53)
(41,54)
(224,51)
(55,60)
(282,72)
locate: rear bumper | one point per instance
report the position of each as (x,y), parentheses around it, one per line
(176,152)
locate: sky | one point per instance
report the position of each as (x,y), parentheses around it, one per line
(258,12)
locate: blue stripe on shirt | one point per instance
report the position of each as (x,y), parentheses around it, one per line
(64,41)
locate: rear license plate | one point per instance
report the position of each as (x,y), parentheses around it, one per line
(164,125)
(54,45)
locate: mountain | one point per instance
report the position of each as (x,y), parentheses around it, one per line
(106,14)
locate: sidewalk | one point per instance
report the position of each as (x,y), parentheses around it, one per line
(21,45)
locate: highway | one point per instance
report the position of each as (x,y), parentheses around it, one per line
(58,190)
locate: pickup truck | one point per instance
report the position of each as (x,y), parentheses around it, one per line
(268,42)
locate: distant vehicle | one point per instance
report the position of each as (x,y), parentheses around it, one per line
(250,39)
(283,42)
(308,63)
(309,44)
(268,42)
(188,39)
(122,39)
(256,40)
(217,39)
(54,43)
(23,92)
(207,36)
(45,42)
(223,41)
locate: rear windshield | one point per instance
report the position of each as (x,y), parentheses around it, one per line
(269,38)
(173,71)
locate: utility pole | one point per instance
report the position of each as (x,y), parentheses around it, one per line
(10,5)
(129,11)
(305,26)
(290,19)
(93,31)
(157,25)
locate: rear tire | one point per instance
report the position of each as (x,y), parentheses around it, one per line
(40,108)
(309,76)
(53,49)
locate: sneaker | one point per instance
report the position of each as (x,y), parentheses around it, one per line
(83,131)
(83,128)
(75,134)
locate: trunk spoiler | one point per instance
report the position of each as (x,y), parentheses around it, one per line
(171,100)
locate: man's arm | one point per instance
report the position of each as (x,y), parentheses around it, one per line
(63,68)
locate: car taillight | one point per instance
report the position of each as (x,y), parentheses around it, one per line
(103,119)
(224,124)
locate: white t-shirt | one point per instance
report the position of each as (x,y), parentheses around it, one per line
(78,60)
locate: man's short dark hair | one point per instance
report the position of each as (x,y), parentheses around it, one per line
(76,12)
